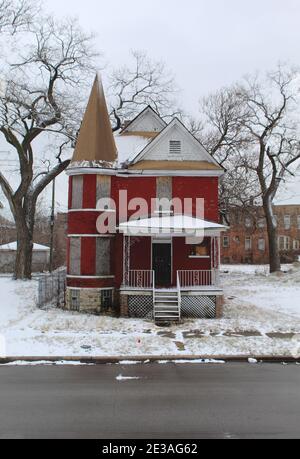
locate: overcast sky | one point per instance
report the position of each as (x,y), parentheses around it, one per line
(205,43)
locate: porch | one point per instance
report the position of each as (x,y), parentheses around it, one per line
(174,272)
(188,280)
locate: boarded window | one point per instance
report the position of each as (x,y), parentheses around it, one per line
(77,192)
(106,299)
(164,194)
(175,147)
(75,300)
(103,187)
(103,256)
(75,256)
(201,250)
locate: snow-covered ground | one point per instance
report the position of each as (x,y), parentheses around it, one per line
(261,317)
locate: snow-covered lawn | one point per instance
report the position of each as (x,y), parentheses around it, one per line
(261,317)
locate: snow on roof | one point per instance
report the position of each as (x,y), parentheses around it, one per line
(177,223)
(130,146)
(13,247)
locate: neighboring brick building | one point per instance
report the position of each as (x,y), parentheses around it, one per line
(7,231)
(247,240)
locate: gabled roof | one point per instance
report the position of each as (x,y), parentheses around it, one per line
(137,125)
(200,154)
(96,141)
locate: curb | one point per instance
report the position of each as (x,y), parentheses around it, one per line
(151,359)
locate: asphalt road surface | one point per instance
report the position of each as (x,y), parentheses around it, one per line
(187,401)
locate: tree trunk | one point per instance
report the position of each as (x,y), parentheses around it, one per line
(274,255)
(23,266)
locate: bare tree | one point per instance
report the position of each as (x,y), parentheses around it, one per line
(144,82)
(251,130)
(41,98)
(271,103)
(223,116)
(221,131)
(17,14)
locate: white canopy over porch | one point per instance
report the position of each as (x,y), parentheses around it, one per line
(174,225)
(169,227)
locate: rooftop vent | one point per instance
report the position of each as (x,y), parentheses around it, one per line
(175,147)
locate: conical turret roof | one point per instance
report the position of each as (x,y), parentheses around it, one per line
(95,141)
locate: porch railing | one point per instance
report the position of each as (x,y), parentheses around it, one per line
(197,278)
(140,279)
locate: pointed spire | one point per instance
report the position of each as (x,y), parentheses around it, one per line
(95,141)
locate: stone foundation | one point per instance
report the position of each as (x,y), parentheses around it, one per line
(220,307)
(89,301)
(124,309)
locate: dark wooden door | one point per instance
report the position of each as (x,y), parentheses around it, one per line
(162,264)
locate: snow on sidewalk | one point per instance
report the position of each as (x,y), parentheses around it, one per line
(261,317)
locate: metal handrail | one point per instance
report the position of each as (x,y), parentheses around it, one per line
(179,294)
(153,274)
(139,279)
(197,278)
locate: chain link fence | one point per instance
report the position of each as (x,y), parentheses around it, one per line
(51,288)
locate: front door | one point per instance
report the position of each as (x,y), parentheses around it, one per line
(162,264)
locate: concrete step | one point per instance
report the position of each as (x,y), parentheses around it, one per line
(167,311)
(161,302)
(167,319)
(173,307)
(166,297)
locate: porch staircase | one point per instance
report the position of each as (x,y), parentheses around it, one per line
(167,306)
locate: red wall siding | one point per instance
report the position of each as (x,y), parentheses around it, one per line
(181,260)
(199,187)
(89,283)
(141,256)
(89,191)
(68,255)
(144,187)
(83,222)
(70,192)
(117,259)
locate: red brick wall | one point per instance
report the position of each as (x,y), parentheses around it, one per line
(238,233)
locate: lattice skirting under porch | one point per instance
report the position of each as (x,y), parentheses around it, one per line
(199,307)
(193,307)
(140,306)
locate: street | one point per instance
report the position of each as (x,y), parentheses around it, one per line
(188,401)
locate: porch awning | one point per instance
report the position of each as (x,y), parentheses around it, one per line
(178,225)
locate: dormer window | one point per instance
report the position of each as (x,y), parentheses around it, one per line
(175,147)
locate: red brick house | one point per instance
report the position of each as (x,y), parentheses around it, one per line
(247,239)
(133,246)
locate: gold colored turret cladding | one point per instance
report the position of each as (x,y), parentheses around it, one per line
(95,143)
